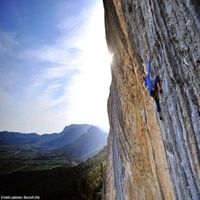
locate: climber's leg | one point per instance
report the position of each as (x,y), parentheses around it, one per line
(158,108)
(157,85)
(157,105)
(154,94)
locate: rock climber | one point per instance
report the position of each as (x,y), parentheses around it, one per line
(153,87)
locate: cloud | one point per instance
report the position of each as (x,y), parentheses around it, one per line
(7,42)
(50,54)
(90,88)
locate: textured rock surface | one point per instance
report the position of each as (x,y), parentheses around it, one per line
(148,158)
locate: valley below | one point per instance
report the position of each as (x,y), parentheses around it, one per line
(66,165)
(81,182)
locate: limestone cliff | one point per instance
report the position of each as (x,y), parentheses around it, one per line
(149,158)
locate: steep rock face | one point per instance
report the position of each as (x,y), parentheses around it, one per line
(149,158)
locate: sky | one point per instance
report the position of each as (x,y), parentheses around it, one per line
(54,65)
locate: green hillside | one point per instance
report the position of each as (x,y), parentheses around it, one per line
(83,182)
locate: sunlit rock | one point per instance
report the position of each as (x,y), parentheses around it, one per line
(149,158)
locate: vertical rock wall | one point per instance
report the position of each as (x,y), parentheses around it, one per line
(149,158)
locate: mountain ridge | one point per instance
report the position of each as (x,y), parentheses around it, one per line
(34,151)
(74,130)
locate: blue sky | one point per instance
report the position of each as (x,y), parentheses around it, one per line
(55,67)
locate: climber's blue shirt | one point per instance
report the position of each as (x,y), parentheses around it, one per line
(148,81)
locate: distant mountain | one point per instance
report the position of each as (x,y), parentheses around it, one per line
(45,141)
(17,138)
(86,145)
(76,143)
(67,136)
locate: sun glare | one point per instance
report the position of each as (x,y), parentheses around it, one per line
(90,89)
(108,58)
